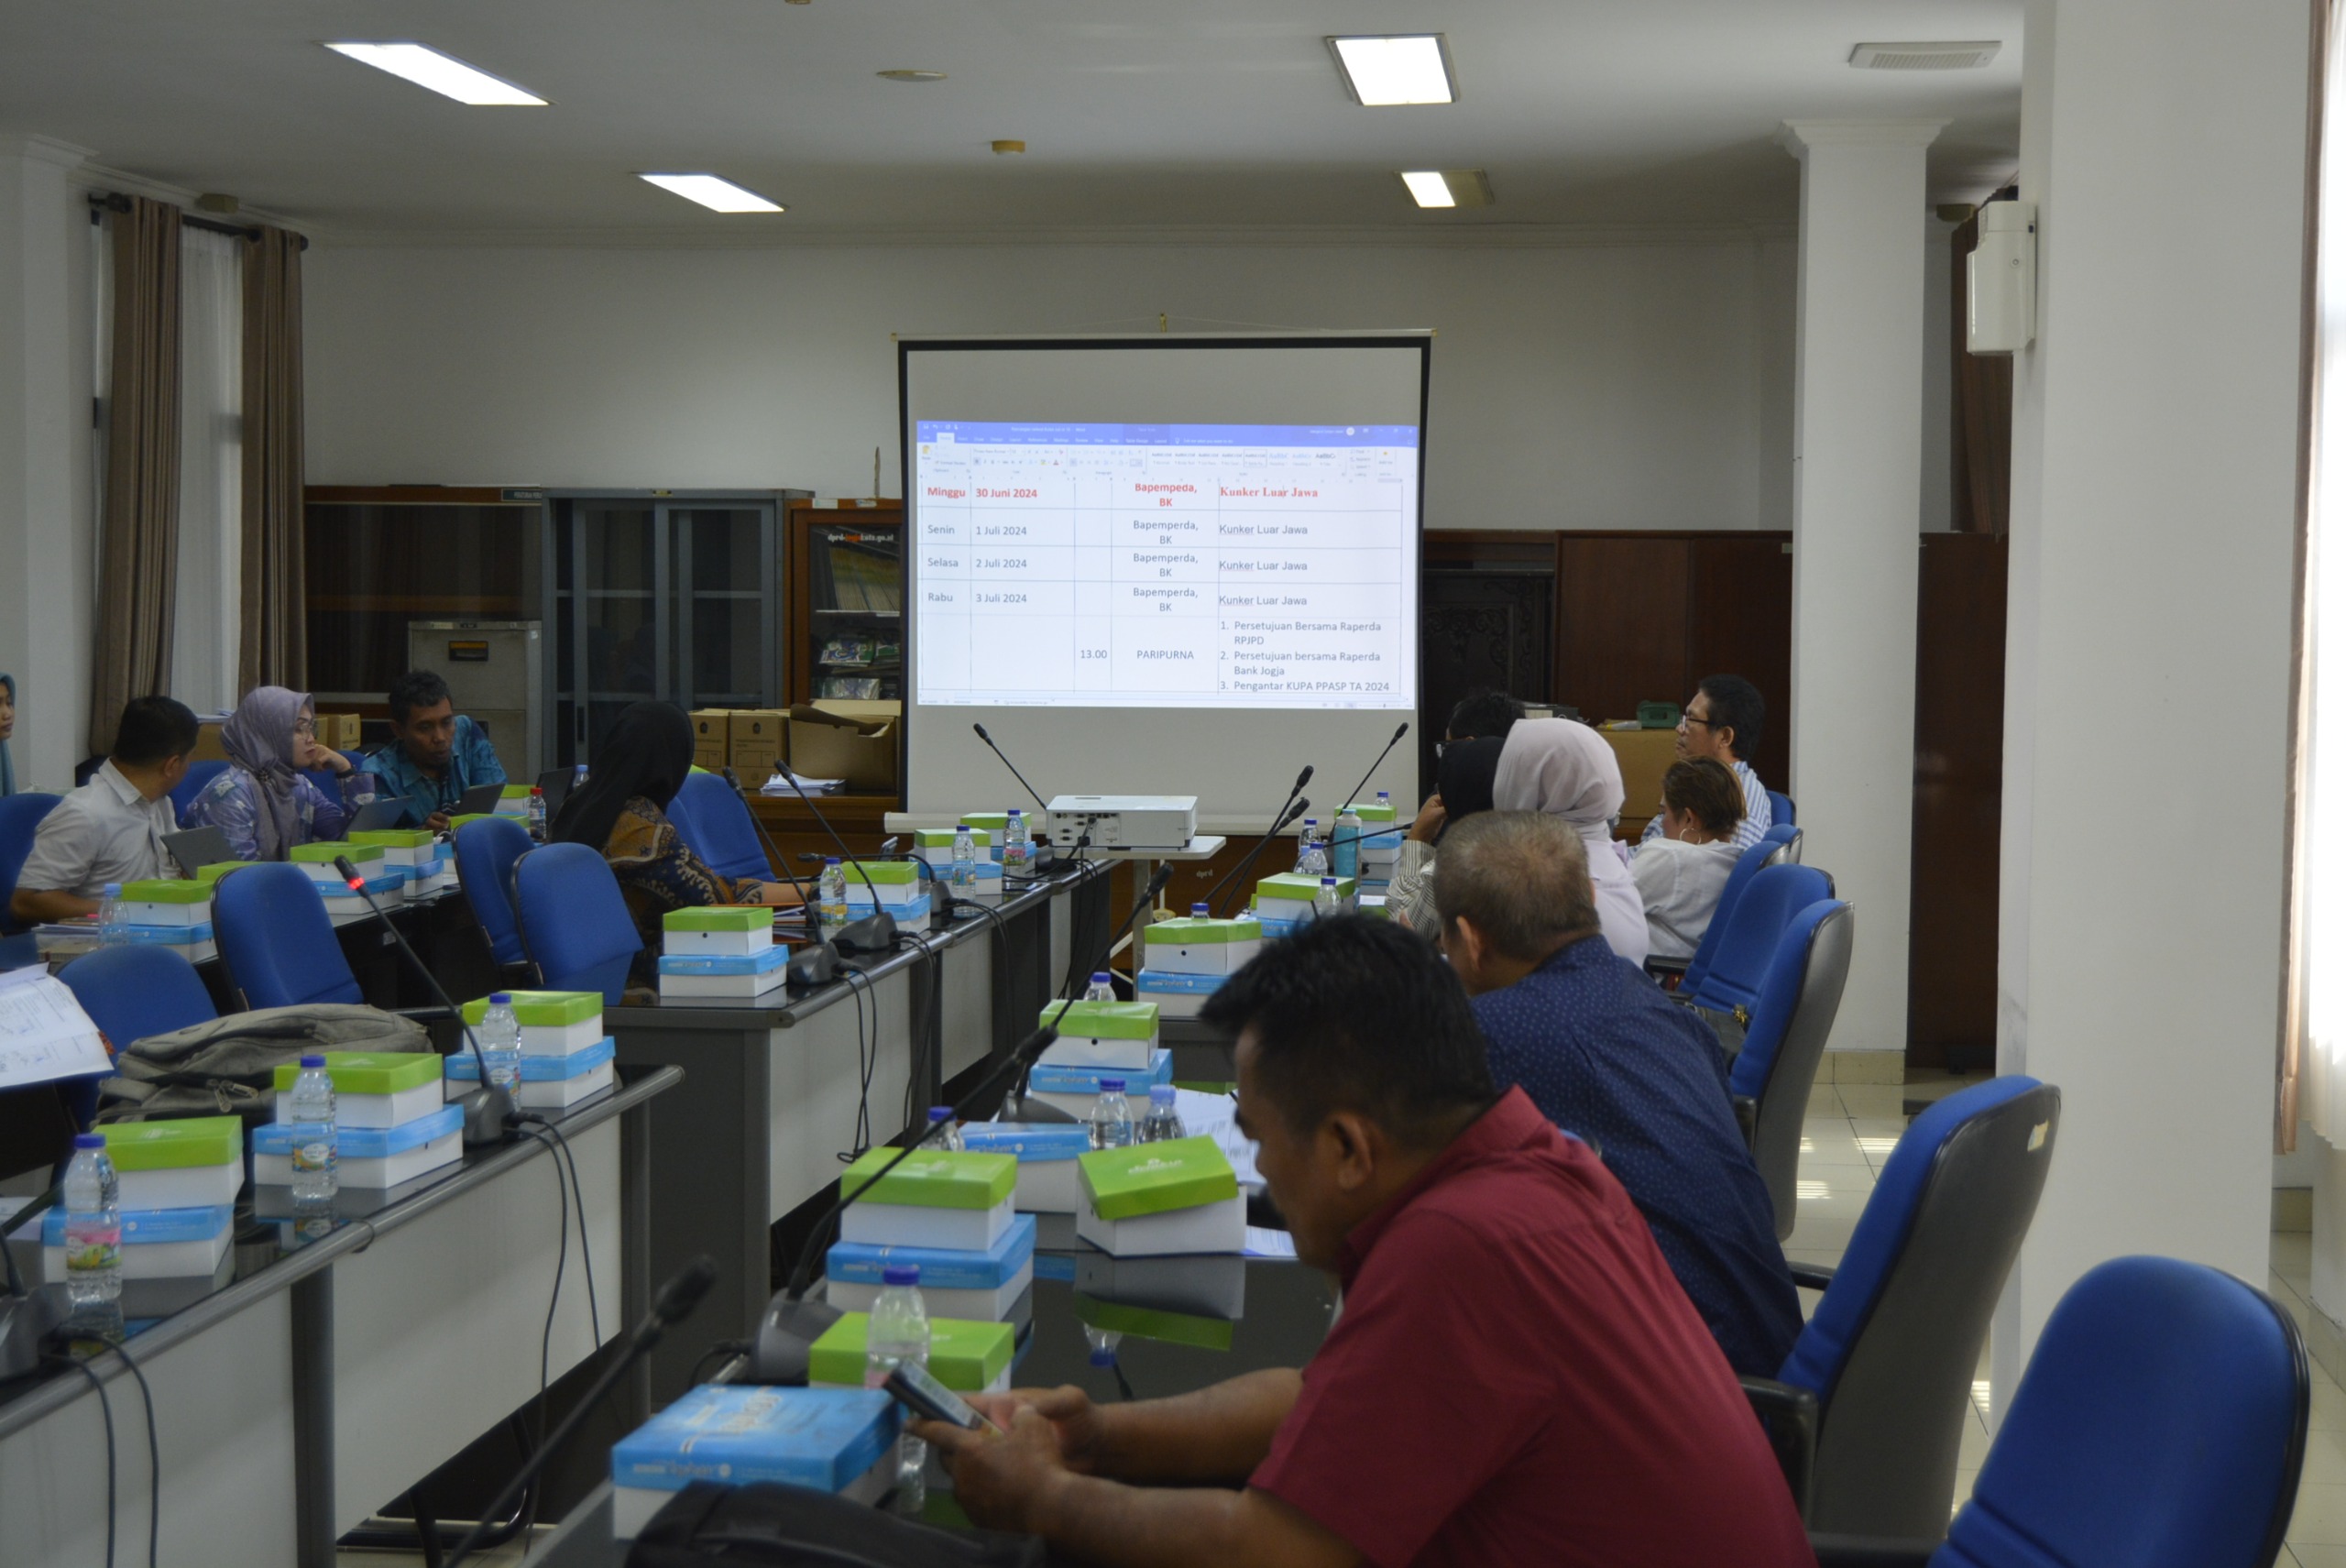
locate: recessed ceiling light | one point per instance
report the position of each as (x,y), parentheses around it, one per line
(1448,187)
(445,75)
(1970,55)
(913,75)
(1005,147)
(718,195)
(1412,67)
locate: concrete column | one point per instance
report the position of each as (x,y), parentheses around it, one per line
(1857,517)
(45,525)
(2154,441)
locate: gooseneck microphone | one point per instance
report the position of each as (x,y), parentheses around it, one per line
(488,1110)
(1040,804)
(1278,826)
(791,1323)
(1355,796)
(672,1305)
(818,962)
(876,932)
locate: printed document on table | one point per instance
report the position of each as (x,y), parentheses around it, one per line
(1215,1116)
(44,1034)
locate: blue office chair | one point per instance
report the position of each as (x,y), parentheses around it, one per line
(1790,1021)
(1747,866)
(197,775)
(1883,1370)
(575,920)
(1786,839)
(20,818)
(486,853)
(2161,1424)
(1763,908)
(275,936)
(1780,808)
(722,832)
(679,812)
(134,992)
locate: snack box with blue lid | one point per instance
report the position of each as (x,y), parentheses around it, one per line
(1048,1183)
(160,903)
(156,1243)
(373,1089)
(548,1083)
(979,1285)
(1102,1034)
(1195,945)
(736,976)
(1074,1090)
(1381,848)
(966,1355)
(370,1157)
(734,929)
(191,1162)
(841,1440)
(933,1197)
(429,878)
(905,911)
(1148,1199)
(553,1023)
(1176,996)
(317,861)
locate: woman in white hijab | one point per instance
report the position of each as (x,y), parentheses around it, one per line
(1563,768)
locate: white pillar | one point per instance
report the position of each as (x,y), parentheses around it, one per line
(1857,520)
(44,351)
(2154,442)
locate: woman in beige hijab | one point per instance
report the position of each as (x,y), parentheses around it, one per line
(1563,768)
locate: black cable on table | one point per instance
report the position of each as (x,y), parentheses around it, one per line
(154,1457)
(545,1339)
(586,1248)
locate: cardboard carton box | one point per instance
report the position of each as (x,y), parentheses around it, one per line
(1644,755)
(755,743)
(339,730)
(712,741)
(841,739)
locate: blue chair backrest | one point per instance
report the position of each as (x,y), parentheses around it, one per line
(1747,866)
(132,992)
(20,818)
(721,832)
(1777,1002)
(277,939)
(1762,910)
(486,853)
(1779,806)
(197,775)
(679,812)
(2161,1424)
(575,920)
(1784,1042)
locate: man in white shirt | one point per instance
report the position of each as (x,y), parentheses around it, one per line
(1722,721)
(111,830)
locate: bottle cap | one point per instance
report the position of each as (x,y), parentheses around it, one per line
(535,790)
(500,999)
(831,860)
(311,1058)
(940,1114)
(1200,911)
(1161,1094)
(1311,822)
(88,1141)
(1104,1355)
(114,890)
(1112,1086)
(1099,977)
(901,1274)
(1327,882)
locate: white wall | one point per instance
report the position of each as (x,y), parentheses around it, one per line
(1574,386)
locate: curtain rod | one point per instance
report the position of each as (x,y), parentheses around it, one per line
(114,201)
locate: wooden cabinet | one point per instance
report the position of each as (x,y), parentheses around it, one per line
(847,611)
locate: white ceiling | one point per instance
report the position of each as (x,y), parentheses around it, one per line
(1224,114)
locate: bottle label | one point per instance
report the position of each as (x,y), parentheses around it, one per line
(92,1246)
(315,1153)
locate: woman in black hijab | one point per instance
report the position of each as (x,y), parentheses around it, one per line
(622,813)
(1462,781)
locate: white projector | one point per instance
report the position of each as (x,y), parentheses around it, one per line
(1125,821)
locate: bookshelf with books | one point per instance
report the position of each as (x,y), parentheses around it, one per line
(846,567)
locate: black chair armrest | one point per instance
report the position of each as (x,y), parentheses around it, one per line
(1870,1552)
(1812,1275)
(1746,1118)
(1789,1413)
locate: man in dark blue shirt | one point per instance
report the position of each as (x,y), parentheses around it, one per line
(1605,1055)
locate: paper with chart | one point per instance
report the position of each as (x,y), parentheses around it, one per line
(44,1034)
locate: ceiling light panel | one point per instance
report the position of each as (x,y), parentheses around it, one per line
(1412,67)
(1965,56)
(1427,188)
(715,193)
(443,75)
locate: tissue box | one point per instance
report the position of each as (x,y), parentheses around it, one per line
(735,929)
(841,1440)
(1102,1034)
(1152,1199)
(1176,996)
(156,1243)
(318,859)
(737,976)
(548,1083)
(935,1198)
(196,1162)
(967,1357)
(370,1157)
(979,1285)
(553,1023)
(165,905)
(1193,945)
(1075,1089)
(1046,1151)
(373,1089)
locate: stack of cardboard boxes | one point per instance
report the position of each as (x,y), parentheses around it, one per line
(835,739)
(721,950)
(566,1055)
(392,1119)
(178,1194)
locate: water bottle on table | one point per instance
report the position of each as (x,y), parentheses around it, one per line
(830,894)
(1111,1118)
(92,1200)
(897,1333)
(113,931)
(1101,989)
(1325,902)
(537,814)
(309,1113)
(1344,854)
(1163,1122)
(1310,851)
(1017,848)
(965,861)
(500,1045)
(944,1132)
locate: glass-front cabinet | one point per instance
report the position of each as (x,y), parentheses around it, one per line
(848,602)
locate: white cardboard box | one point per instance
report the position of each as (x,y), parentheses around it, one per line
(905,1224)
(189,1187)
(970,1305)
(1209,1227)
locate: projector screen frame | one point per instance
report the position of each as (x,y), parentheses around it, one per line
(1419,340)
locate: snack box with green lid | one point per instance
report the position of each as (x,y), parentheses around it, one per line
(896,881)
(840,1441)
(318,859)
(1288,896)
(404,848)
(1381,850)
(1181,1196)
(189,1163)
(1102,1034)
(514,802)
(428,879)
(930,840)
(553,1023)
(967,1357)
(209,875)
(1191,945)
(1372,812)
(374,1089)
(734,928)
(936,1197)
(740,977)
(161,902)
(369,1158)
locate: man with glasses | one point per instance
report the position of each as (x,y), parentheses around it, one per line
(1722,721)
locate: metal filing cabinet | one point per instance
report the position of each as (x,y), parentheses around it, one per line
(495,671)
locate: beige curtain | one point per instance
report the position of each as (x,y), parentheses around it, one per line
(275,646)
(138,539)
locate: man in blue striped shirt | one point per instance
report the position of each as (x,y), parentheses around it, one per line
(1722,721)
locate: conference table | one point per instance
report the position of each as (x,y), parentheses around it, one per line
(337,1359)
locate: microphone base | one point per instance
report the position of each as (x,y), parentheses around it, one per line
(816,964)
(786,1335)
(1026,1108)
(27,1324)
(872,934)
(489,1117)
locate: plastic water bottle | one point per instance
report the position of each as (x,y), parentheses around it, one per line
(944,1132)
(537,814)
(830,894)
(1104,1343)
(1111,1118)
(898,1333)
(500,1045)
(1201,912)
(1163,1122)
(1017,848)
(1344,860)
(93,1226)
(965,861)
(1101,987)
(113,930)
(1325,902)
(1385,800)
(578,776)
(1311,852)
(309,1112)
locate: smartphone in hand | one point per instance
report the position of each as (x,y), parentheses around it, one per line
(924,1395)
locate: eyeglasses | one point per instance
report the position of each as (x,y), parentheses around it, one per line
(305,727)
(1686,718)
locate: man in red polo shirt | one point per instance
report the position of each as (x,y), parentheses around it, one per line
(1516,1375)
